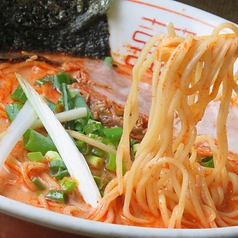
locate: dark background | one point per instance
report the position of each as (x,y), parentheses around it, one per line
(227,9)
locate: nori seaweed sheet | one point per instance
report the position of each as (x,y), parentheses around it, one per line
(76,27)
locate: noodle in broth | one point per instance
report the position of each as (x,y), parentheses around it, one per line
(166,180)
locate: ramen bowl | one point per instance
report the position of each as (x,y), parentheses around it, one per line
(131,24)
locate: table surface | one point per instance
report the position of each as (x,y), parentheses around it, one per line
(11,227)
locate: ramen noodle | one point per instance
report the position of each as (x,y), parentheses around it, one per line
(176,178)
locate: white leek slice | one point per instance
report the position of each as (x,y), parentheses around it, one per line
(70,115)
(73,159)
(17,128)
(65,116)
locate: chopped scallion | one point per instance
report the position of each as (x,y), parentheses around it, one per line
(13,109)
(135,148)
(56,164)
(57,195)
(36,156)
(83,147)
(108,60)
(79,102)
(38,183)
(67,184)
(94,127)
(58,168)
(50,155)
(113,134)
(66,97)
(95,161)
(73,159)
(98,152)
(18,95)
(98,181)
(61,174)
(207,162)
(34,141)
(111,162)
(101,183)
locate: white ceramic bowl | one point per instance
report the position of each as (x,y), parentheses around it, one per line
(132,23)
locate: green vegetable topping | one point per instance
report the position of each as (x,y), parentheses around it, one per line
(111,162)
(13,109)
(135,148)
(34,141)
(207,162)
(95,161)
(101,183)
(36,156)
(97,152)
(19,95)
(108,60)
(113,134)
(58,168)
(57,195)
(83,147)
(67,184)
(94,127)
(38,183)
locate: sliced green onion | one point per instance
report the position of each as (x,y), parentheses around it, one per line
(38,183)
(79,102)
(91,141)
(207,162)
(94,127)
(62,78)
(18,95)
(61,174)
(83,147)
(50,155)
(111,162)
(66,97)
(108,60)
(67,184)
(68,104)
(135,148)
(58,168)
(34,141)
(98,181)
(57,164)
(74,160)
(14,132)
(95,161)
(36,156)
(57,195)
(13,109)
(96,151)
(101,183)
(113,134)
